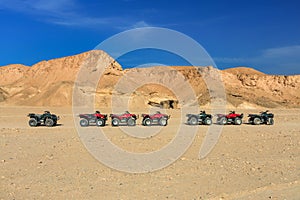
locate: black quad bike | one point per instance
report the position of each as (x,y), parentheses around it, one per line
(95,118)
(47,119)
(201,118)
(261,118)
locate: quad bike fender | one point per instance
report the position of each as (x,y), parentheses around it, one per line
(209,116)
(145,115)
(31,115)
(192,115)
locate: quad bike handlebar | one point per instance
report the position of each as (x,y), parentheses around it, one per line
(264,111)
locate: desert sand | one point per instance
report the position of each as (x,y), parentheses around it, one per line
(248,162)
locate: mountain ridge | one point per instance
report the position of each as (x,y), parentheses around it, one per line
(50,83)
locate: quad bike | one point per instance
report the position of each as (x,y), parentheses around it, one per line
(261,118)
(201,118)
(125,118)
(97,118)
(47,119)
(157,118)
(231,118)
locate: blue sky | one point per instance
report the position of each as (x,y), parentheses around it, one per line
(264,35)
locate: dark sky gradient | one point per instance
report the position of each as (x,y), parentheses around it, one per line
(264,35)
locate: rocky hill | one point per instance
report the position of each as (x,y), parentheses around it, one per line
(50,83)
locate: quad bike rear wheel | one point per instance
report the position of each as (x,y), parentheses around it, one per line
(250,120)
(32,122)
(49,122)
(84,122)
(223,121)
(193,121)
(256,121)
(115,122)
(147,122)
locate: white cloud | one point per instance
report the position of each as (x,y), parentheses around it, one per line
(282,60)
(51,6)
(65,13)
(229,60)
(292,52)
(141,24)
(133,25)
(38,6)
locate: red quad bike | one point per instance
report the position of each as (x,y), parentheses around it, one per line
(125,118)
(95,118)
(157,118)
(231,118)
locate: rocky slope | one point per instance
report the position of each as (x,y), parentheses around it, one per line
(248,85)
(50,83)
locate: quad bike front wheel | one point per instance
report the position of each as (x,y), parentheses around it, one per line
(32,122)
(238,121)
(208,121)
(163,122)
(131,122)
(49,122)
(84,122)
(271,121)
(100,122)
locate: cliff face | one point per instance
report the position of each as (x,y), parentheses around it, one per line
(50,83)
(247,85)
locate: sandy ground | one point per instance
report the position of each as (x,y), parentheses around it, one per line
(248,162)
